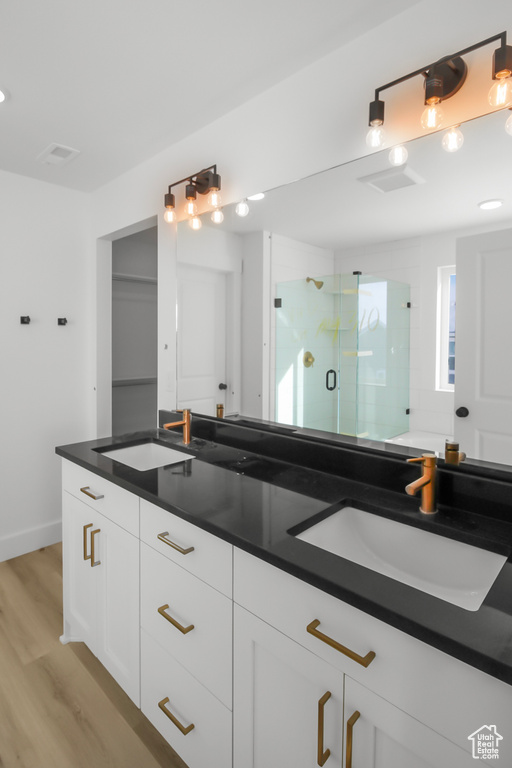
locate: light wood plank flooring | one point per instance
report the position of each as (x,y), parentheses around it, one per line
(59,708)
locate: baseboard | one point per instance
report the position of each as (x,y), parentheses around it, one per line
(27,541)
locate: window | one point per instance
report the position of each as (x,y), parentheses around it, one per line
(446,302)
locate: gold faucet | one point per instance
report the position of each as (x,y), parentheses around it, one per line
(185,423)
(452,455)
(427,483)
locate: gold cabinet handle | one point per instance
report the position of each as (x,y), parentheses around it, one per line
(322,756)
(86,528)
(173,719)
(350,725)
(365,661)
(87,490)
(163,537)
(162,611)
(92,558)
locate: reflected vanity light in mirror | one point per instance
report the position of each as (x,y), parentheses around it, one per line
(398,155)
(490,205)
(453,139)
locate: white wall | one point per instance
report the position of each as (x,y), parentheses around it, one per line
(47,383)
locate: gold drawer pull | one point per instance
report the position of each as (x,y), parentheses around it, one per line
(162,611)
(93,560)
(365,661)
(87,490)
(163,537)
(86,527)
(322,756)
(173,719)
(350,724)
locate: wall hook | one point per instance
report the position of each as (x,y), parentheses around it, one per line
(62,321)
(24,319)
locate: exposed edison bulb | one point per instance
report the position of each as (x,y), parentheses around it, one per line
(242,209)
(170,215)
(508,125)
(398,155)
(214,199)
(191,208)
(375,137)
(195,222)
(217,216)
(453,139)
(432,117)
(500,94)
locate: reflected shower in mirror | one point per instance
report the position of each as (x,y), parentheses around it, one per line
(414,226)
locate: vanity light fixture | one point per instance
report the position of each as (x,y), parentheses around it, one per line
(398,155)
(453,139)
(206,182)
(442,80)
(508,124)
(242,208)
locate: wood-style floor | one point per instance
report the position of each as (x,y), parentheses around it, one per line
(59,708)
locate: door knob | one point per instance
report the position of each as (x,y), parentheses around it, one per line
(223,386)
(462,412)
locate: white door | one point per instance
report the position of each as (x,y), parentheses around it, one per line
(202,367)
(379,735)
(117,552)
(80,579)
(483,359)
(288,703)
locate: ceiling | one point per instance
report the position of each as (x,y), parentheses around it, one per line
(120,82)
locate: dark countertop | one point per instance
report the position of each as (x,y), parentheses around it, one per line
(252,501)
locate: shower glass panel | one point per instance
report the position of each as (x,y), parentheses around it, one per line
(342,355)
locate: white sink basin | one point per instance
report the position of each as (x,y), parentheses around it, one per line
(147,456)
(458,573)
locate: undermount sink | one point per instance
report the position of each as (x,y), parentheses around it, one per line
(459,573)
(146,456)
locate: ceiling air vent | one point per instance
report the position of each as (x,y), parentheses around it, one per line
(392,179)
(57,154)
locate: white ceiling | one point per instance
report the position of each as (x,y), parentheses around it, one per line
(121,81)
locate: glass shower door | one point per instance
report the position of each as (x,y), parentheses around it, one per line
(306,375)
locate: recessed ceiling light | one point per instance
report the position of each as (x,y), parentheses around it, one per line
(3,95)
(488,205)
(258,196)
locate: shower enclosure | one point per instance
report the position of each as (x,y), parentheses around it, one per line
(342,355)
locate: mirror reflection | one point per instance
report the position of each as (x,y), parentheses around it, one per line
(368,300)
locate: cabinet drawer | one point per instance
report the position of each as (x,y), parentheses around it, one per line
(199,552)
(168,690)
(170,592)
(120,506)
(437,689)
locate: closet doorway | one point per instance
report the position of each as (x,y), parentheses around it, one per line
(134,331)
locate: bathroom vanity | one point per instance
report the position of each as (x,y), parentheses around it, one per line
(253,645)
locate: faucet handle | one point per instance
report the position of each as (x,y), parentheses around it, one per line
(428,459)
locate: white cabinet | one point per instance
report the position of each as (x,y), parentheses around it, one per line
(417,706)
(379,735)
(187,637)
(101,584)
(288,703)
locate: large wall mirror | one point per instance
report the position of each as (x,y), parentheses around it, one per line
(368,300)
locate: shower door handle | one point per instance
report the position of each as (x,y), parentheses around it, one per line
(328,385)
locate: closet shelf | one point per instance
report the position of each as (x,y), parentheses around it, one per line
(134,278)
(134,382)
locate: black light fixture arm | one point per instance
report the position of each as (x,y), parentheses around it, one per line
(199,179)
(454,70)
